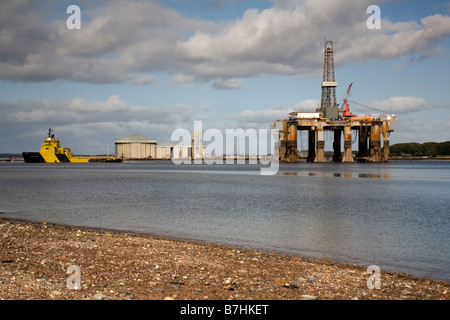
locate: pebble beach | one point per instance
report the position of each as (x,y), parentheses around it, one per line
(43,261)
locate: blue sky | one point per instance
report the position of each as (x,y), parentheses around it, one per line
(150,67)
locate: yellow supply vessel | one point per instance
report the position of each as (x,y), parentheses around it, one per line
(52,152)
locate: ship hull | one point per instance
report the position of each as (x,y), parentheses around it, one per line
(36,157)
(62,157)
(32,157)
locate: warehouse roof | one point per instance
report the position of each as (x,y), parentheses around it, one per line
(168,144)
(135,138)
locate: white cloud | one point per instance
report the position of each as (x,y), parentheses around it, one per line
(418,130)
(289,40)
(396,40)
(227,84)
(119,41)
(266,116)
(309,105)
(142,80)
(113,104)
(400,105)
(78,110)
(75,119)
(181,78)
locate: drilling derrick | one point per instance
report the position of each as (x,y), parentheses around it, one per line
(328,104)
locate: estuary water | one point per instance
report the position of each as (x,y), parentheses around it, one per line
(395,215)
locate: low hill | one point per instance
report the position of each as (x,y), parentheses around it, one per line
(414,149)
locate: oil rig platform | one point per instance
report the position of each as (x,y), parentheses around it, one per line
(367,129)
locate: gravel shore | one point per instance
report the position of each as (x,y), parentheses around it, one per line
(35,259)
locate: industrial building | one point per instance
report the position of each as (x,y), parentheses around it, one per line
(138,147)
(135,147)
(171,150)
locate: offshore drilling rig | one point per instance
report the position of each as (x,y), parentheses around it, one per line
(339,120)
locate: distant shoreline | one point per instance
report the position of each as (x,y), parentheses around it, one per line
(445,158)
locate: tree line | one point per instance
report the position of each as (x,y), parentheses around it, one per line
(414,149)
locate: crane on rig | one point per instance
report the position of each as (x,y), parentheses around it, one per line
(346,112)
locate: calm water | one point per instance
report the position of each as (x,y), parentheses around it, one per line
(394,215)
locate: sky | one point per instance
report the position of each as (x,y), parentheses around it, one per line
(151,67)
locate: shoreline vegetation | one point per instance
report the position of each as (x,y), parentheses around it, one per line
(35,259)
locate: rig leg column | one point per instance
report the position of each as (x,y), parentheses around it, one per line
(282,149)
(337,145)
(283,138)
(385,130)
(375,143)
(311,145)
(292,153)
(348,156)
(362,144)
(320,156)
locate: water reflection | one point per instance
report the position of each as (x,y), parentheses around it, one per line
(347,175)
